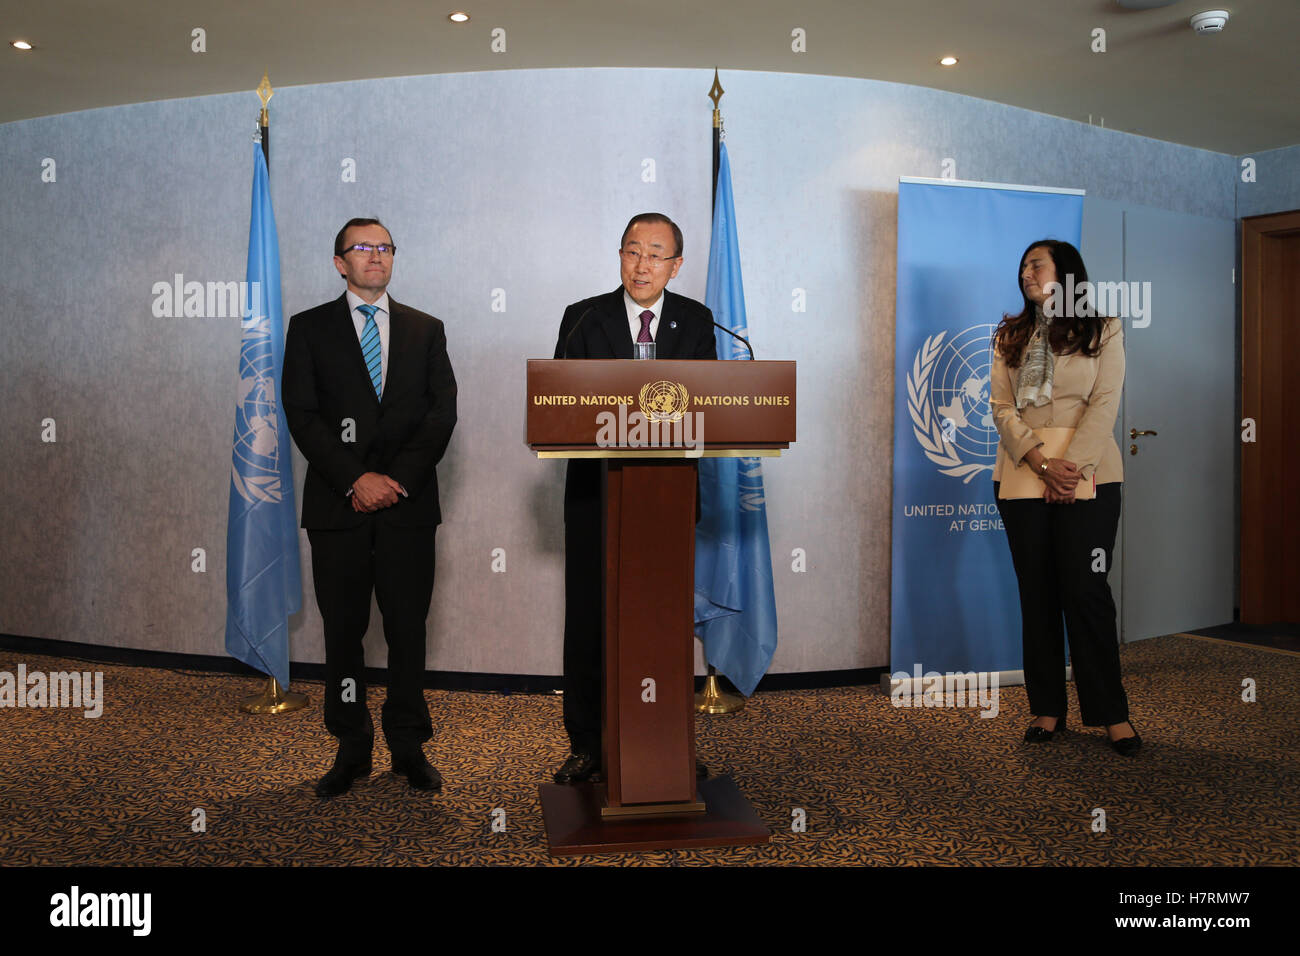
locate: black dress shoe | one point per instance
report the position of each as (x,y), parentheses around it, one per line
(579,768)
(417,770)
(1127,746)
(1041,735)
(701,771)
(338,779)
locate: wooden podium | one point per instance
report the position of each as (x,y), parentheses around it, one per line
(649,422)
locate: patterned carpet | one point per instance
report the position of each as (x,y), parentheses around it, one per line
(1216,782)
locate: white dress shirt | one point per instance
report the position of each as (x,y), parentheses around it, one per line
(634,315)
(381,320)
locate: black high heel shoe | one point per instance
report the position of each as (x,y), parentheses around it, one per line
(1041,735)
(1127,746)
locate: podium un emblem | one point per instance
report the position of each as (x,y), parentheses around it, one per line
(664,401)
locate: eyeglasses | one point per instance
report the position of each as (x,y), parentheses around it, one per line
(653,260)
(365,248)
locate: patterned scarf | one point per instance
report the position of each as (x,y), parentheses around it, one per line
(1037,366)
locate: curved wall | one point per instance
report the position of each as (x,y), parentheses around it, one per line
(517,181)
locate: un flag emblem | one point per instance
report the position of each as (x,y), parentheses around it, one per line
(255,465)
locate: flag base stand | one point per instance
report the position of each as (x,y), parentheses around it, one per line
(274,700)
(713,700)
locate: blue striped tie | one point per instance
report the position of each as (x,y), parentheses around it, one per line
(370,348)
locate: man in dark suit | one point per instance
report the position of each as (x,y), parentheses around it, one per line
(370,399)
(605,327)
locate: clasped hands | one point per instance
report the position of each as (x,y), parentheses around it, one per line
(373,491)
(1059,480)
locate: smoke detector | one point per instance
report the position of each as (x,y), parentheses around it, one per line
(1211,21)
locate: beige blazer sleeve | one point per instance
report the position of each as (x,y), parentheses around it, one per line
(1094,435)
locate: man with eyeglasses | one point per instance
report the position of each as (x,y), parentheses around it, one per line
(370,400)
(606,327)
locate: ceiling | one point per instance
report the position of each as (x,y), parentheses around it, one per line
(1234,92)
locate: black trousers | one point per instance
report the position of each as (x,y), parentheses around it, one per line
(583,607)
(1058,554)
(396,565)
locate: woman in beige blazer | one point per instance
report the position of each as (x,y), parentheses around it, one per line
(1058,366)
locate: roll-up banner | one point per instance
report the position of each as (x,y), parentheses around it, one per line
(955,607)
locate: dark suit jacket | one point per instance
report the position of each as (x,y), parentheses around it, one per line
(600,330)
(403,435)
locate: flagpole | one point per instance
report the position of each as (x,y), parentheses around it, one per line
(715,94)
(264,93)
(713,700)
(273,698)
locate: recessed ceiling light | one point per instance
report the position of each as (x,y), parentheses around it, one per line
(948,61)
(20,45)
(458,17)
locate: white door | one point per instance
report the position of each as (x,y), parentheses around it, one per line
(1178,501)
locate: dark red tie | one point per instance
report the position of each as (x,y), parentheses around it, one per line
(646,318)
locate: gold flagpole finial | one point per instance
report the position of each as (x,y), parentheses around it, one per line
(264,92)
(715,94)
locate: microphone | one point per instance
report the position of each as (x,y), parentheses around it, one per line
(565,352)
(743,341)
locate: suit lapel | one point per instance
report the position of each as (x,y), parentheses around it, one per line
(399,346)
(613,323)
(1061,373)
(669,334)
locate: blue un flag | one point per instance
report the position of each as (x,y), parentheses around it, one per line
(263,577)
(735,606)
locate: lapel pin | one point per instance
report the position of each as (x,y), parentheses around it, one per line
(672,325)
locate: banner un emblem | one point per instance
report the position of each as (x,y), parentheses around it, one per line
(948,401)
(255,463)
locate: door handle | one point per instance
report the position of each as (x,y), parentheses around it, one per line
(1133,433)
